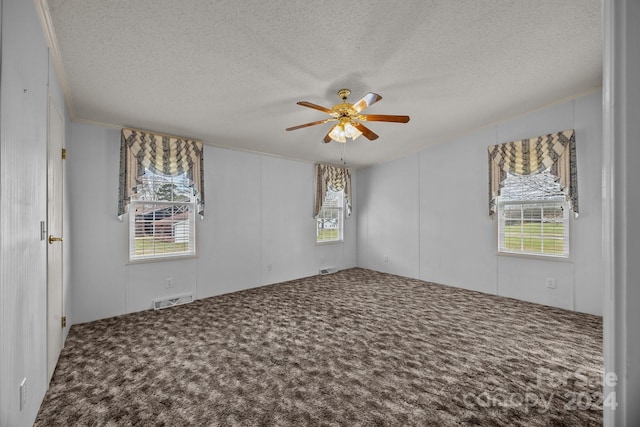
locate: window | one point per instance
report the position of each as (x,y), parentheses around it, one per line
(332,202)
(162,189)
(533,183)
(533,216)
(162,218)
(330,219)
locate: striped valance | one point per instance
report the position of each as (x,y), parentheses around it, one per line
(335,179)
(161,154)
(556,152)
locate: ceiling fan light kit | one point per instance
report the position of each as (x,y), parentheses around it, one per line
(344,130)
(349,119)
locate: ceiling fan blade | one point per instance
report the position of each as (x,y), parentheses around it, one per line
(368,133)
(366,101)
(314,106)
(383,118)
(327,138)
(319,122)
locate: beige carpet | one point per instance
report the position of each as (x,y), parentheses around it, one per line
(355,348)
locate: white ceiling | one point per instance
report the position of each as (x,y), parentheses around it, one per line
(229,73)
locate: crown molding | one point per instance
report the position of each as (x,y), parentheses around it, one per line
(42,10)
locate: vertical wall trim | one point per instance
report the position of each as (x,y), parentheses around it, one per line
(572,227)
(367,216)
(495,231)
(614,335)
(260,230)
(128,283)
(607,202)
(573,286)
(621,206)
(419,234)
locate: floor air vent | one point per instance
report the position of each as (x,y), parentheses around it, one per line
(172,301)
(329,270)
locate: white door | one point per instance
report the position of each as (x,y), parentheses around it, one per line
(54,230)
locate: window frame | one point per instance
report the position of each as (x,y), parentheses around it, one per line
(340,208)
(568,230)
(192,227)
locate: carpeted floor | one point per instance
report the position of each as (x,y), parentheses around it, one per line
(354,348)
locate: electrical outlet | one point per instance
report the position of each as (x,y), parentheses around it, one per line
(169,282)
(386,258)
(23,393)
(551,282)
(270,267)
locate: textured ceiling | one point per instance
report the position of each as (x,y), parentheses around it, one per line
(229,73)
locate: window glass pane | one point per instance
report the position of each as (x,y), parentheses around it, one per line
(162,218)
(542,186)
(538,228)
(154,187)
(533,216)
(329,222)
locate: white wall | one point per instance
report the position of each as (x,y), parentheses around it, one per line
(457,239)
(258,229)
(24,92)
(428,213)
(387,217)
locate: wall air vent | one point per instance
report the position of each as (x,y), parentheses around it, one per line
(171,301)
(329,270)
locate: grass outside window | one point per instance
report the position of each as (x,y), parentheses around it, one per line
(152,246)
(328,235)
(535,238)
(534,228)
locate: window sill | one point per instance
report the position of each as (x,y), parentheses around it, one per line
(161,259)
(333,242)
(536,257)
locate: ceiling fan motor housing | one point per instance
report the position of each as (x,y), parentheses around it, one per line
(343,110)
(344,94)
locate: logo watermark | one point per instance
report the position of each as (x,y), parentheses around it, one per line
(549,386)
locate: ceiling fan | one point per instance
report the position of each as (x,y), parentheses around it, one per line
(349,119)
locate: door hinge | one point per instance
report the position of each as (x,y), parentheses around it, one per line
(64,154)
(64,321)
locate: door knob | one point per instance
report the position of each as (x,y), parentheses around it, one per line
(54,239)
